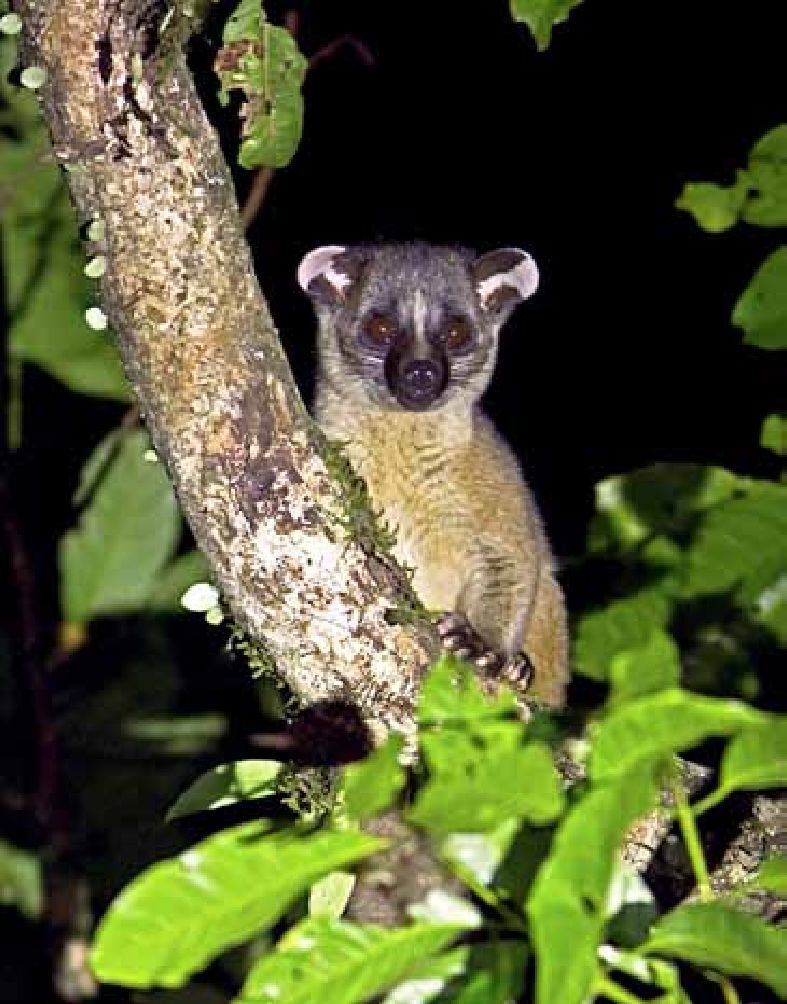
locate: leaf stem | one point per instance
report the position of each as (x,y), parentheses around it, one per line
(691,839)
(615,992)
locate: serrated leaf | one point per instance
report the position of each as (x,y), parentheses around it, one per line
(773,435)
(620,626)
(322,959)
(719,937)
(181,913)
(656,727)
(715,208)
(110,562)
(773,874)
(645,670)
(567,902)
(21,880)
(761,310)
(264,62)
(227,784)
(738,541)
(767,202)
(756,758)
(481,778)
(541,16)
(371,785)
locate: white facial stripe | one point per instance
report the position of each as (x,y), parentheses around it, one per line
(420,311)
(320,263)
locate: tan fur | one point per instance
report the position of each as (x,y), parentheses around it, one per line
(465,523)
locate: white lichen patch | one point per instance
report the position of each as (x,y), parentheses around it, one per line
(96,319)
(33,77)
(200,598)
(10,24)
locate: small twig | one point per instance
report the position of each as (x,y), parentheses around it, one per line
(263,177)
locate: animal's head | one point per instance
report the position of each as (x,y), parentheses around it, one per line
(410,325)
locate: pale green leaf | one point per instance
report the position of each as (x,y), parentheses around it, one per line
(738,542)
(719,937)
(715,208)
(329,896)
(21,880)
(761,310)
(652,667)
(773,435)
(773,874)
(110,562)
(541,16)
(181,913)
(227,784)
(657,726)
(324,959)
(620,626)
(371,785)
(767,202)
(451,694)
(483,777)
(756,758)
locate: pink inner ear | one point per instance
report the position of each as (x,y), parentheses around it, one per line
(320,264)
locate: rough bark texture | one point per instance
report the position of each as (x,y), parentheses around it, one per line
(202,355)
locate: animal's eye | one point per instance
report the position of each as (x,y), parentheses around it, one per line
(457,334)
(379,329)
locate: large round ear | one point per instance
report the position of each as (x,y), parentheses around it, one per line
(327,273)
(504,278)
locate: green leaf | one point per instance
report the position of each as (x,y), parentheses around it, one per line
(111,561)
(451,694)
(715,208)
(756,758)
(762,308)
(264,62)
(767,202)
(181,913)
(329,896)
(655,727)
(773,435)
(541,16)
(181,573)
(371,786)
(432,976)
(95,467)
(663,499)
(720,937)
(620,626)
(568,900)
(322,959)
(773,874)
(227,784)
(645,670)
(21,880)
(737,542)
(483,777)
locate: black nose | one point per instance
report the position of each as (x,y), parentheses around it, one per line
(419,382)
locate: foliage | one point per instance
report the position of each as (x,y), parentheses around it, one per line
(699,592)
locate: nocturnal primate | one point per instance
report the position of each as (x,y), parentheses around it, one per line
(408,339)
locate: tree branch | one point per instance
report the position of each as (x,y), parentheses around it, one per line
(251,470)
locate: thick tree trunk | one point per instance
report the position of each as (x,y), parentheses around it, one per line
(202,355)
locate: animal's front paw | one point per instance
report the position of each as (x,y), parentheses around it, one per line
(459,637)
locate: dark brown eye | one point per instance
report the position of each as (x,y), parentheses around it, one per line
(457,334)
(379,329)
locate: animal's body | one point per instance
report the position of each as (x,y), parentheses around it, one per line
(408,341)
